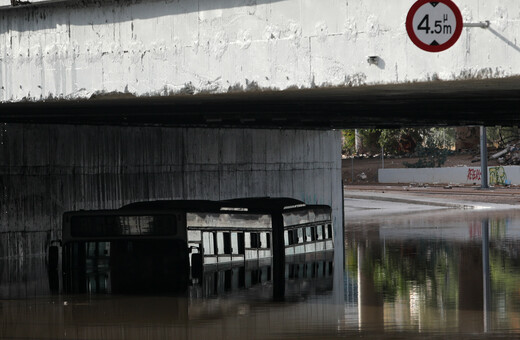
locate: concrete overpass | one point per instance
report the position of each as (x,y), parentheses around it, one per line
(177,88)
(278,63)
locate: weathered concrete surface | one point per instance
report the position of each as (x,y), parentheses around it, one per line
(23,277)
(501,175)
(10,4)
(74,49)
(48,169)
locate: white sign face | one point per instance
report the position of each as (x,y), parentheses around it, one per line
(434,25)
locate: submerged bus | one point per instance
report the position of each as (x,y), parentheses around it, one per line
(167,245)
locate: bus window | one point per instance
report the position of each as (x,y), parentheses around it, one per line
(263,240)
(227,243)
(247,237)
(313,233)
(290,235)
(234,243)
(268,240)
(87,226)
(329,230)
(241,244)
(255,240)
(308,234)
(220,243)
(215,243)
(208,243)
(300,235)
(286,237)
(295,236)
(194,236)
(320,232)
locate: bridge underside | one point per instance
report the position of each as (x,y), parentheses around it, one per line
(472,102)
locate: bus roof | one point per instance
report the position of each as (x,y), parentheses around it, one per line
(256,204)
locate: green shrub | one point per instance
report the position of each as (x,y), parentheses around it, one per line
(430,156)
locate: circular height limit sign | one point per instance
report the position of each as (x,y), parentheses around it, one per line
(434,26)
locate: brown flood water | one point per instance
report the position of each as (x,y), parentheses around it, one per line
(435,275)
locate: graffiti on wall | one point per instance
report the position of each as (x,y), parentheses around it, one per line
(474,174)
(497,228)
(497,175)
(475,229)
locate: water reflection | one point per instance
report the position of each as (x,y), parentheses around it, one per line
(459,275)
(304,276)
(455,275)
(229,302)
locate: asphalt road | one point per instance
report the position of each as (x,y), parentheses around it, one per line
(361,202)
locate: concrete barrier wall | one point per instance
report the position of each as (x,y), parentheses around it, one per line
(48,169)
(497,175)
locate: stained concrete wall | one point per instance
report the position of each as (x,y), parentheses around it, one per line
(10,4)
(73,49)
(500,175)
(48,169)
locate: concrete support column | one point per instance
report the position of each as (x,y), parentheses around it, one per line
(483,158)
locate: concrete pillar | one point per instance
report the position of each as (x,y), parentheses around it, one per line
(483,158)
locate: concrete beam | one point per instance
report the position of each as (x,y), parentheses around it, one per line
(75,49)
(470,102)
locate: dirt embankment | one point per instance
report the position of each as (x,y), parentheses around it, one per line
(364,170)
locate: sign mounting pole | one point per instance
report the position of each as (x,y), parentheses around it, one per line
(482,24)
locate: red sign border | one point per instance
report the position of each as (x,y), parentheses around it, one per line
(447,44)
